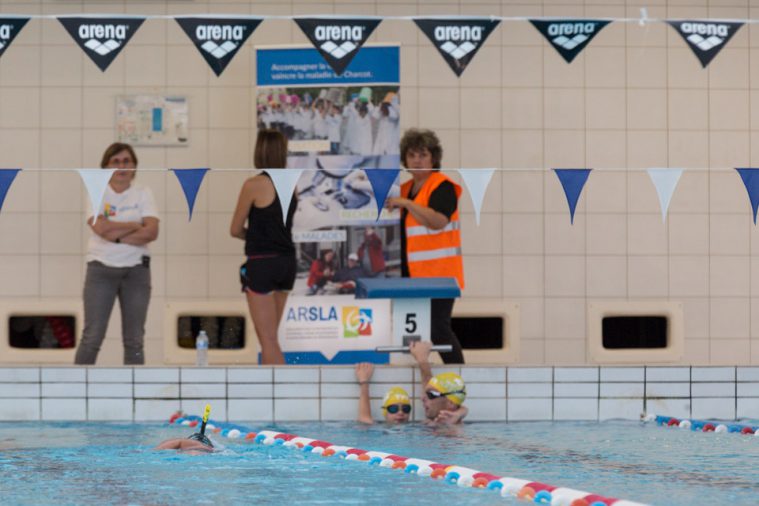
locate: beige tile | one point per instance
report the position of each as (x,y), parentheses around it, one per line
(477,105)
(728,109)
(729,234)
(606,192)
(607,276)
(194,155)
(688,234)
(522,108)
(685,71)
(219,240)
(730,352)
(98,107)
(61,233)
(647,276)
(650,34)
(19,233)
(647,235)
(238,73)
(187,277)
(647,149)
(62,275)
(565,319)
(115,75)
(728,150)
(523,234)
(692,194)
(696,317)
(20,107)
(688,109)
(522,191)
(605,108)
(186,66)
(696,352)
(451,139)
(223,188)
(24,194)
(20,275)
(409,68)
(153,30)
(564,276)
(521,149)
(485,65)
(157,281)
(565,149)
(480,148)
(61,191)
(144,66)
(562,237)
(689,276)
(531,317)
(558,74)
(727,192)
(532,352)
(439,108)
(433,70)
(604,66)
(482,239)
(647,109)
(94,142)
(607,234)
(397,30)
(229,149)
(480,271)
(641,195)
(521,34)
(729,318)
(184,236)
(25,62)
(564,108)
(565,352)
(730,69)
(646,67)
(688,149)
(224,276)
(729,276)
(61,65)
(523,276)
(522,66)
(229,107)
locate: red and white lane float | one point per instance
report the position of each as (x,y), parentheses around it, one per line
(527,490)
(701,425)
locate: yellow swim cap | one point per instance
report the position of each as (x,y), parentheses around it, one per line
(451,385)
(395,395)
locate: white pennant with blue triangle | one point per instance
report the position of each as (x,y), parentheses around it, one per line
(477,181)
(96,181)
(665,181)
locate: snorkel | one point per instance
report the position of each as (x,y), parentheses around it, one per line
(201,436)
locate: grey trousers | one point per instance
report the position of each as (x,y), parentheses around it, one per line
(101,287)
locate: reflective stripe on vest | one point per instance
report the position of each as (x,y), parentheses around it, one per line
(434,254)
(421,230)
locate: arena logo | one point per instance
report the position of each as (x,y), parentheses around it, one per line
(706,39)
(101,38)
(311,314)
(218,39)
(338,40)
(457,40)
(357,321)
(569,36)
(9,28)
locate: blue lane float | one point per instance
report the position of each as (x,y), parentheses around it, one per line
(701,425)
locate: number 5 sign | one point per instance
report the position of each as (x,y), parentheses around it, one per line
(411,322)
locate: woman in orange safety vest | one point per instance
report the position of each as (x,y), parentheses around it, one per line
(430,231)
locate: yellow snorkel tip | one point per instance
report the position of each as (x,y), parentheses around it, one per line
(206,413)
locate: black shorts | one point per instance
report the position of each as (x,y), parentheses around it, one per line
(265,274)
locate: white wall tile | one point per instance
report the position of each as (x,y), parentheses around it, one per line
(530,409)
(28,390)
(575,390)
(339,375)
(340,409)
(203,375)
(667,374)
(624,374)
(292,410)
(575,409)
(530,374)
(748,408)
(679,408)
(712,374)
(575,374)
(249,375)
(156,390)
(622,389)
(202,390)
(109,390)
(154,410)
(156,375)
(713,390)
(626,409)
(667,390)
(486,410)
(70,374)
(20,374)
(530,390)
(110,375)
(486,390)
(18,410)
(64,409)
(337,390)
(717,408)
(64,390)
(196,407)
(389,374)
(748,389)
(297,390)
(251,410)
(250,390)
(744,373)
(484,374)
(296,375)
(110,409)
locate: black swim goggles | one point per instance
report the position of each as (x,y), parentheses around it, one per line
(393,408)
(202,438)
(434,394)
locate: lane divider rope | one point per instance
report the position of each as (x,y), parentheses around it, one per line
(701,425)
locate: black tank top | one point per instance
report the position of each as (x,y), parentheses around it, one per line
(266,233)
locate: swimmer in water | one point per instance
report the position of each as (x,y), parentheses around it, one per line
(195,444)
(443,395)
(396,405)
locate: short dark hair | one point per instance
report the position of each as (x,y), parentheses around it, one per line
(271,150)
(114,149)
(416,139)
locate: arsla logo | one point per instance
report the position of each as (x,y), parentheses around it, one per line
(357,321)
(311,314)
(458,41)
(331,37)
(570,35)
(103,39)
(705,36)
(220,39)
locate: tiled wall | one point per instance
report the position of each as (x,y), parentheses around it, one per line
(281,394)
(635,98)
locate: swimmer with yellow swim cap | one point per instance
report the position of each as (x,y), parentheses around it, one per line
(396,405)
(443,395)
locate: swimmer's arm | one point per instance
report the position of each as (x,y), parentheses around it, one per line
(169,444)
(364,406)
(420,350)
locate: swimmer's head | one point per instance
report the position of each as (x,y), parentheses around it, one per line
(444,391)
(201,438)
(396,405)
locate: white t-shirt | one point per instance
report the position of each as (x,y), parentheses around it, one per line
(133,204)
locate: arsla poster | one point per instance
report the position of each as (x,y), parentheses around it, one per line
(337,126)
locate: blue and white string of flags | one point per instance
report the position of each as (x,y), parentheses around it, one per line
(476,182)
(338,38)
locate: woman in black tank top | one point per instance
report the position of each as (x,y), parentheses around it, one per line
(269,271)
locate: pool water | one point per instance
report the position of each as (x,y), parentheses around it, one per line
(109,463)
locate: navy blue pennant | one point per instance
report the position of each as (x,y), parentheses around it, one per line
(573,181)
(382,180)
(190,180)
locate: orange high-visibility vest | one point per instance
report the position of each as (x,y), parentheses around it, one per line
(433,253)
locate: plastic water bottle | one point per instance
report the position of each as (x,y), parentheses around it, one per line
(201,349)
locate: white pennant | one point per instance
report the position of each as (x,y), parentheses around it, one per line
(477,181)
(284,182)
(96,181)
(665,181)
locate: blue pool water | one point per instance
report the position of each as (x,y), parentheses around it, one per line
(89,463)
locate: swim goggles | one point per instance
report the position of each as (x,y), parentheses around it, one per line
(434,394)
(393,408)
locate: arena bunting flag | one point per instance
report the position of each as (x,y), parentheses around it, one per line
(457,39)
(218,39)
(569,36)
(477,181)
(381,180)
(338,39)
(96,181)
(665,181)
(6,179)
(284,181)
(573,181)
(751,181)
(190,181)
(706,38)
(9,28)
(102,39)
